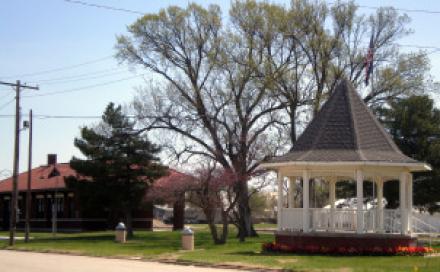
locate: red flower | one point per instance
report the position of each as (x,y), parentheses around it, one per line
(312,249)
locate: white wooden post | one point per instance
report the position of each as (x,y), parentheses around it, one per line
(379,225)
(360,201)
(402,201)
(306,218)
(280,201)
(409,199)
(291,191)
(332,202)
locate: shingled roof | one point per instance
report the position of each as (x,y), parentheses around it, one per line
(344,130)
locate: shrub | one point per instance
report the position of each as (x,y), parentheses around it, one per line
(348,251)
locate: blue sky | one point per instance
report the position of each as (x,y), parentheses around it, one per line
(38,36)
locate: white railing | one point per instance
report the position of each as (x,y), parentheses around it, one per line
(345,220)
(421,226)
(291,219)
(392,221)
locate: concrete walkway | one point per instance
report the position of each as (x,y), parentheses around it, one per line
(17,261)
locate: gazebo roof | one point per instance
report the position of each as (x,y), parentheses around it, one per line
(344,130)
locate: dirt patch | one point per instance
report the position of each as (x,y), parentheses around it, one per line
(287,261)
(160,225)
(169,257)
(344,269)
(247,266)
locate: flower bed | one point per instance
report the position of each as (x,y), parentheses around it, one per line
(348,251)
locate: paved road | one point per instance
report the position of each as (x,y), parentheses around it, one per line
(16,261)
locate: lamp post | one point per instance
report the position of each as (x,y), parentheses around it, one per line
(27,226)
(55,207)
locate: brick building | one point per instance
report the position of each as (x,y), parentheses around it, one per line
(49,194)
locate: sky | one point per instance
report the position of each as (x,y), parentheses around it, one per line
(66,47)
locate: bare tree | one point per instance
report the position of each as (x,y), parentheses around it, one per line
(212,92)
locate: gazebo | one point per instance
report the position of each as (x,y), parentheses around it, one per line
(344,142)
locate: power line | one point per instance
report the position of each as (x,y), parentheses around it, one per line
(142,13)
(79,75)
(7,103)
(83,78)
(60,68)
(83,88)
(105,7)
(427,11)
(361,6)
(46,116)
(399,9)
(42,116)
(8,94)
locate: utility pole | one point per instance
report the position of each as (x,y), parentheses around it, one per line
(14,198)
(27,226)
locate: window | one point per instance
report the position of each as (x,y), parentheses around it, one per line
(40,206)
(59,201)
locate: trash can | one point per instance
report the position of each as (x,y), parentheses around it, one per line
(120,233)
(187,239)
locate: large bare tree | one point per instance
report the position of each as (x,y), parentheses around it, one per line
(212,90)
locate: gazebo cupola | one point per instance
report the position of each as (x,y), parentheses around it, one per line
(344,142)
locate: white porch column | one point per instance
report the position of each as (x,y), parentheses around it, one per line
(379,223)
(332,181)
(360,201)
(306,217)
(291,191)
(280,200)
(409,199)
(403,204)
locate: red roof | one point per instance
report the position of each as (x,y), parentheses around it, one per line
(47,177)
(43,178)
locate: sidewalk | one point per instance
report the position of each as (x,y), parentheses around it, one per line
(17,261)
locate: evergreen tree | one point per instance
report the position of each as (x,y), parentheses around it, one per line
(414,124)
(121,164)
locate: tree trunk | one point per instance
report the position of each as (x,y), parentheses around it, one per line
(179,214)
(210,217)
(213,230)
(225,230)
(245,226)
(129,223)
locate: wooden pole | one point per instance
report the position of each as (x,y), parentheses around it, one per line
(14,198)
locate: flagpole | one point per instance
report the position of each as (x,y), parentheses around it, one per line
(372,92)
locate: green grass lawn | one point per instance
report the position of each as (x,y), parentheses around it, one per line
(166,245)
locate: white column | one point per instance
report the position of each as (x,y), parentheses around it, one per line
(291,191)
(379,224)
(306,217)
(360,201)
(280,201)
(409,199)
(402,201)
(332,181)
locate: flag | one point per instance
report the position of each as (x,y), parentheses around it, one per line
(369,61)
